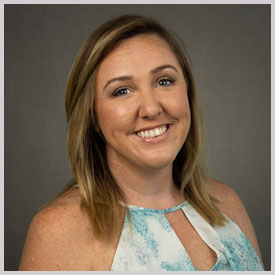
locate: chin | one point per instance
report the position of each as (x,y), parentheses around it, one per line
(159,162)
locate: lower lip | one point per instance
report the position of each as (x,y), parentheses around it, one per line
(157,139)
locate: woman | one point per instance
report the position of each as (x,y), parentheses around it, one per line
(139,199)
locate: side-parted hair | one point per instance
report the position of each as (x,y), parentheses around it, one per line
(100,194)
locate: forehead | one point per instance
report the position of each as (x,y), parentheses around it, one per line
(136,55)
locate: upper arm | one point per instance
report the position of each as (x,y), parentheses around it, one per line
(48,240)
(232,206)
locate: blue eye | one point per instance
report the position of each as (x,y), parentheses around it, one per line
(165,82)
(121,92)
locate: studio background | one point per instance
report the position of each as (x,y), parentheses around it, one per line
(230,49)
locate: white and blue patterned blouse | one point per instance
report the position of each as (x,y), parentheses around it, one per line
(151,243)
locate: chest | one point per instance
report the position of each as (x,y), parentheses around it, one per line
(90,255)
(162,241)
(165,242)
(99,255)
(201,255)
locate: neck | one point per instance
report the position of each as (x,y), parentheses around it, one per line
(145,186)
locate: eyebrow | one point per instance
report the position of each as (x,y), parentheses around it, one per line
(160,68)
(128,77)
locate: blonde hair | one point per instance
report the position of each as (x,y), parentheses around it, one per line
(100,195)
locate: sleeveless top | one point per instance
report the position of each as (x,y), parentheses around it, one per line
(150,243)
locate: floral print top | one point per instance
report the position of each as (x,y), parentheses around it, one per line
(150,243)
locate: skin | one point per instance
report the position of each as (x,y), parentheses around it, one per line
(154,93)
(60,236)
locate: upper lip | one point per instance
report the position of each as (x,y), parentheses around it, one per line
(151,127)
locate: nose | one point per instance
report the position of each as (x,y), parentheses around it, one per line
(150,106)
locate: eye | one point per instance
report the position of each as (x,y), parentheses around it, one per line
(165,82)
(121,92)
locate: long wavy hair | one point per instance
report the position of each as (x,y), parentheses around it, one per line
(100,194)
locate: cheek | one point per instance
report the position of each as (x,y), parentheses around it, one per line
(113,116)
(178,105)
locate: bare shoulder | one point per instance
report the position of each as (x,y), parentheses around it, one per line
(55,235)
(232,206)
(229,201)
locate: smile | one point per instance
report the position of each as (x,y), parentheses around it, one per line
(151,133)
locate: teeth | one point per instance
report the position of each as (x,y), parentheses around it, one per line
(157,132)
(152,133)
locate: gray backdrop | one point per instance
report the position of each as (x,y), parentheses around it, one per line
(230,49)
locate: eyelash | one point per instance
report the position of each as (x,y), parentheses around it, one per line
(166,79)
(117,93)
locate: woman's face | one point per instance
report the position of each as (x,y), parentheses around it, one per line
(141,103)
